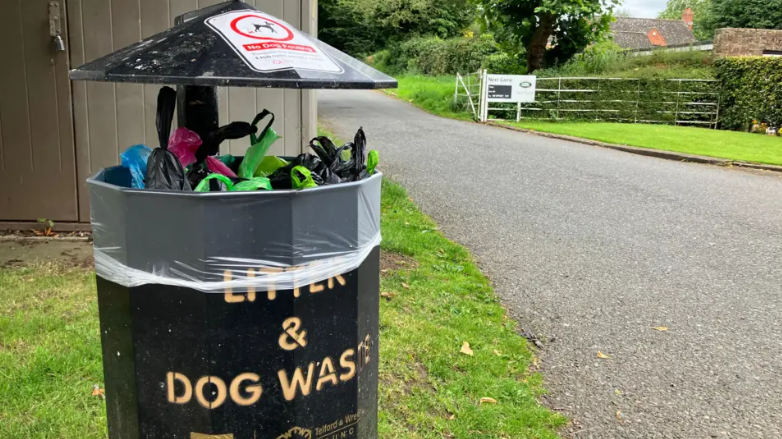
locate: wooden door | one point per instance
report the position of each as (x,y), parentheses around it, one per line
(37,154)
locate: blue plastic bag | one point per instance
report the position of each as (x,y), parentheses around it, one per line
(135,158)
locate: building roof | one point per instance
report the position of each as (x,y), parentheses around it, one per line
(626,30)
(633,40)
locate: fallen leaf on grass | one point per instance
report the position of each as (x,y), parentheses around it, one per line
(497,353)
(404,285)
(466,350)
(97,391)
(660,328)
(602,356)
(487,400)
(387,295)
(451,417)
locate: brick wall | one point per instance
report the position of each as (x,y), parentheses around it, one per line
(746,42)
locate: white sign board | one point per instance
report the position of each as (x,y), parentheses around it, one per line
(268,44)
(510,88)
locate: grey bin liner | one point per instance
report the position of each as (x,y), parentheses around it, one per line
(238,241)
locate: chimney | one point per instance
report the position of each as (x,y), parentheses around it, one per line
(688,16)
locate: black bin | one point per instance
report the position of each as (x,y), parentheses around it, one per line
(238,315)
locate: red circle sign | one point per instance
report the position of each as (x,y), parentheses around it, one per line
(265,24)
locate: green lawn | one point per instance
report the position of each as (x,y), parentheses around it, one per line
(434,300)
(700,141)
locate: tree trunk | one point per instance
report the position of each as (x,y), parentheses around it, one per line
(537,45)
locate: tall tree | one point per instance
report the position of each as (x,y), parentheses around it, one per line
(364,26)
(758,14)
(701,15)
(531,24)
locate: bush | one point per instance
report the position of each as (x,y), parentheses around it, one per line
(608,59)
(751,90)
(435,56)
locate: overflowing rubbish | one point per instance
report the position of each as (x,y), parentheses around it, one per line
(186,162)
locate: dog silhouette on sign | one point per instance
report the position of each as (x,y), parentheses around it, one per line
(268,25)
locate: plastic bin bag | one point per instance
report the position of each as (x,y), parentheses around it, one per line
(270,165)
(164,170)
(135,159)
(203,165)
(259,146)
(301,178)
(205,185)
(373,159)
(253,184)
(184,143)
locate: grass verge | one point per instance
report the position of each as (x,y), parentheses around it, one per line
(699,141)
(431,93)
(434,300)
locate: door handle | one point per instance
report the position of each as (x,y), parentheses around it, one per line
(55,26)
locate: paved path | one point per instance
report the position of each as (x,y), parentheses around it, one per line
(590,248)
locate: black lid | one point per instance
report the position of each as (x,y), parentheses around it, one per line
(234,44)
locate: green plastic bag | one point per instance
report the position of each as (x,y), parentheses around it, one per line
(373,159)
(254,184)
(269,166)
(260,146)
(298,183)
(204,185)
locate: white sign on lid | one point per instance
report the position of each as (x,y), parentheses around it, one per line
(268,44)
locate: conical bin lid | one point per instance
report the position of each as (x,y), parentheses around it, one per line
(234,44)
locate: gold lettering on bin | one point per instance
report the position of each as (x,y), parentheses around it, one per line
(296,433)
(221,392)
(230,297)
(327,374)
(272,293)
(292,339)
(211,436)
(172,398)
(254,390)
(290,388)
(346,362)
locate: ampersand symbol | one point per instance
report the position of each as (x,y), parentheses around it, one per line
(292,339)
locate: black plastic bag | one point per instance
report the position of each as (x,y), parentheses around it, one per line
(164,170)
(211,146)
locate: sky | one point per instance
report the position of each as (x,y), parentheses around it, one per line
(644,8)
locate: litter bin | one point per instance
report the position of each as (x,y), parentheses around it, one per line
(242,315)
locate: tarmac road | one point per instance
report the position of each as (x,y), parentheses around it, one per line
(590,248)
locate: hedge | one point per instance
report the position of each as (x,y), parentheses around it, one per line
(751,91)
(435,56)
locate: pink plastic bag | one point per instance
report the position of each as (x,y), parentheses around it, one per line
(184,143)
(219,167)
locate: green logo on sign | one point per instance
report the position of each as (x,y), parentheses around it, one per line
(526,84)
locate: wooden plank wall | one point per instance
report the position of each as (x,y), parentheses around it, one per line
(111,117)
